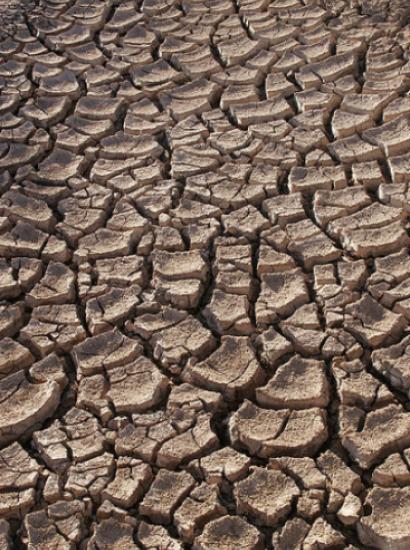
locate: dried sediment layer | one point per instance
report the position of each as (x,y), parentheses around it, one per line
(204,274)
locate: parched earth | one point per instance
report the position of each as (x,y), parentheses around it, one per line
(204,274)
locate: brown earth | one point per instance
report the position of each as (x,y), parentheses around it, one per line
(204,274)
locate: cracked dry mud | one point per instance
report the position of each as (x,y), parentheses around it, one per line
(204,274)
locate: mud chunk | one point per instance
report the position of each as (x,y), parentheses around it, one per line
(273,345)
(61,524)
(232,369)
(13,357)
(386,526)
(304,330)
(53,328)
(167,438)
(19,476)
(105,243)
(25,404)
(281,294)
(224,464)
(246,221)
(298,384)
(132,479)
(292,535)
(165,494)
(384,431)
(371,322)
(90,477)
(268,433)
(392,362)
(230,531)
(56,287)
(200,507)
(228,313)
(322,534)
(23,240)
(174,335)
(156,536)
(265,495)
(110,533)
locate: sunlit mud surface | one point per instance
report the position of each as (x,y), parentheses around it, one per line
(204,275)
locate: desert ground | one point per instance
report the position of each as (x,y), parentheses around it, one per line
(204,274)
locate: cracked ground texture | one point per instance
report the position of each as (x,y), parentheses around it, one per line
(204,274)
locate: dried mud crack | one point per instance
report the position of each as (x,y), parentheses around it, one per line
(204,274)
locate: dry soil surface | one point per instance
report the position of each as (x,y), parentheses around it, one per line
(204,275)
